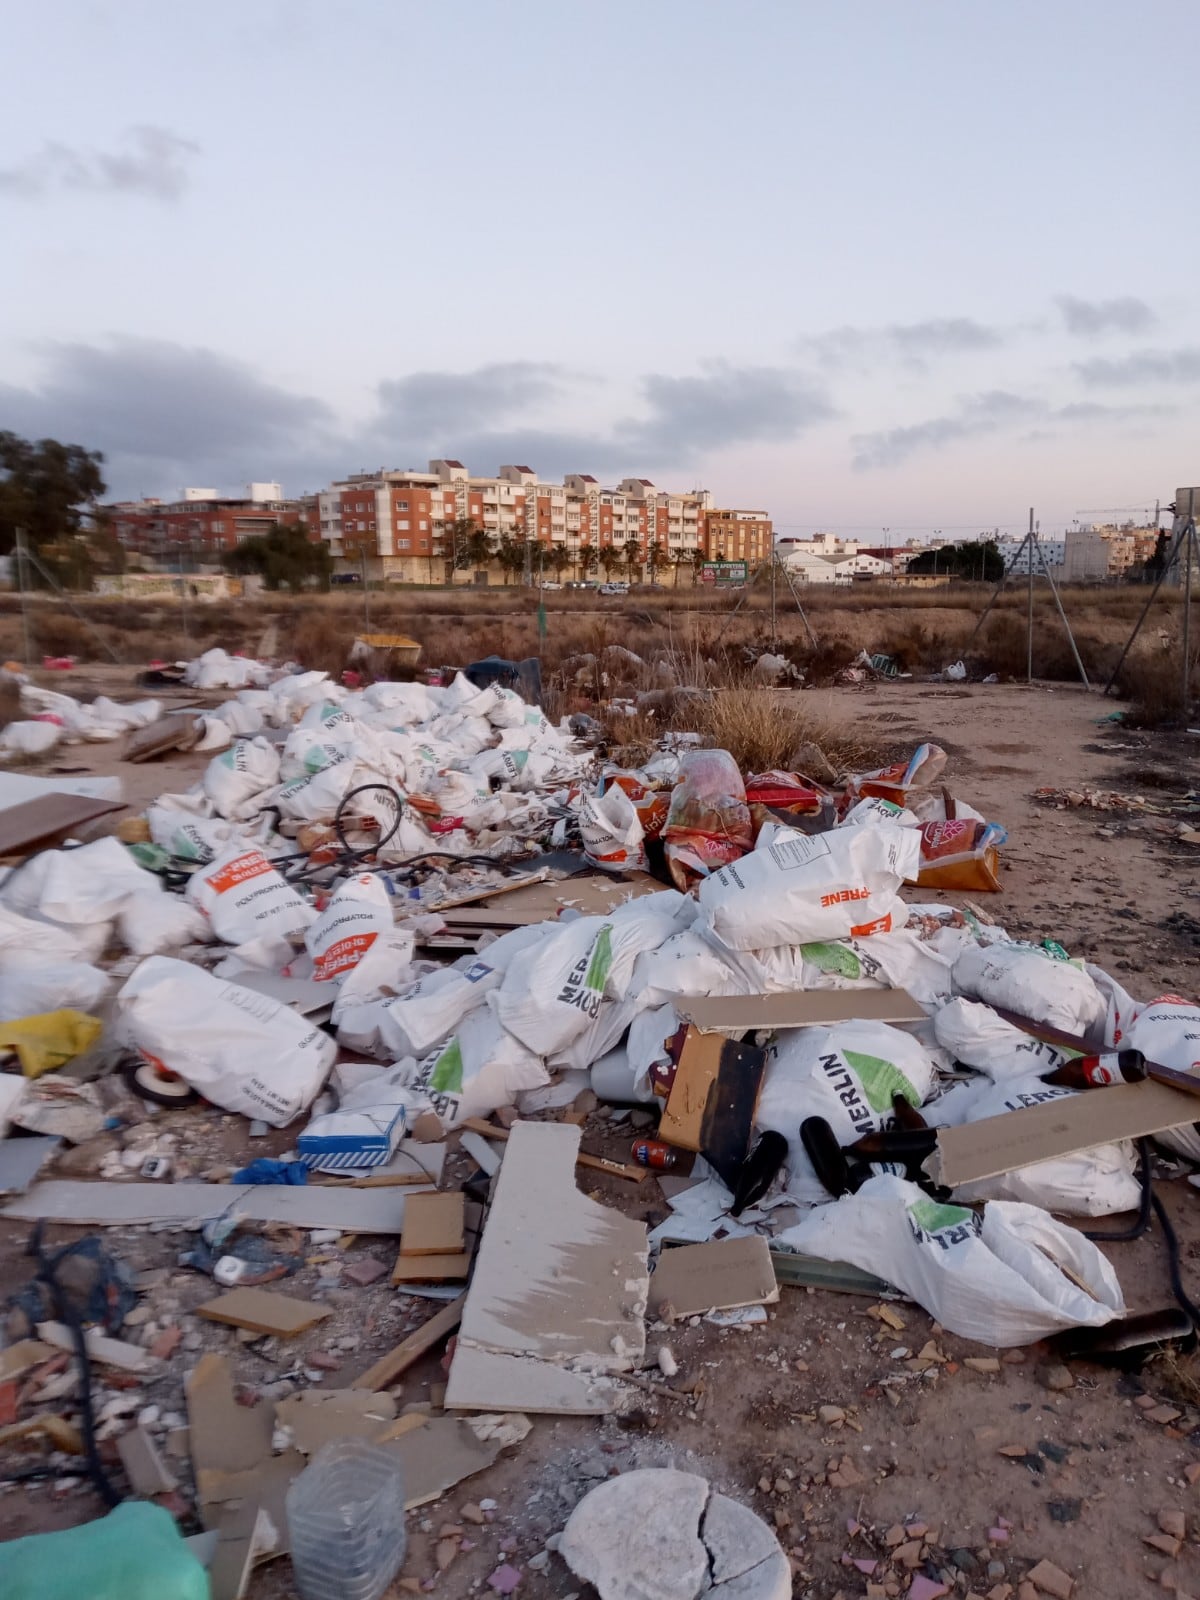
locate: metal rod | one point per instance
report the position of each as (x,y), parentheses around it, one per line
(362,561)
(62,593)
(21,584)
(1062,613)
(787,578)
(1031,537)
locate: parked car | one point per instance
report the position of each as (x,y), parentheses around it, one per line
(614,588)
(549,585)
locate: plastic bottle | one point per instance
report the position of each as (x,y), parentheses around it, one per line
(346,1520)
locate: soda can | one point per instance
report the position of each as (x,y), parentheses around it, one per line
(654,1153)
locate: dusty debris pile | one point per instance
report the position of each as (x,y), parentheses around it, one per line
(428,932)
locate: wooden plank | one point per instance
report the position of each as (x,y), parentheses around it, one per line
(629,1170)
(431,1269)
(263,1312)
(33,823)
(739,1013)
(433,1225)
(398,1360)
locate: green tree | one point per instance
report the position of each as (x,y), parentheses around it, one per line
(978,560)
(46,489)
(559,558)
(633,555)
(656,559)
(610,559)
(510,553)
(696,559)
(283,557)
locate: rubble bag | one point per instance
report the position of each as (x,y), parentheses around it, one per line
(652,805)
(1033,983)
(134,1553)
(960,854)
(709,823)
(358,913)
(847,1074)
(611,830)
(920,771)
(239,1049)
(244,897)
(1007,1276)
(793,888)
(1168,1031)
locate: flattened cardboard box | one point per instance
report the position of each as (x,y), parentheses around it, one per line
(713,1098)
(695,1278)
(995,1145)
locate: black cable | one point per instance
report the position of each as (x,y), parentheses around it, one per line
(1150,1202)
(1173,1266)
(367,788)
(1138,1227)
(67,1313)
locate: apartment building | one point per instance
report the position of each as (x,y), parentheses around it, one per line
(401,526)
(738,536)
(203,524)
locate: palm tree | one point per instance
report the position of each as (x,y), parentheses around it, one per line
(610,560)
(655,556)
(560,560)
(697,558)
(633,555)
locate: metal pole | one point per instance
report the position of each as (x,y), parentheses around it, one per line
(362,562)
(1029,640)
(1187,547)
(774,632)
(21,576)
(1062,614)
(1168,562)
(787,578)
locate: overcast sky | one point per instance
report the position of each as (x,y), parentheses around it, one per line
(871,265)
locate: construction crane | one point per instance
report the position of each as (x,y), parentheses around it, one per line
(1111,511)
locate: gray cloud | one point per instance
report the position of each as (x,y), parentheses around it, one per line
(155,165)
(1142,366)
(914,344)
(976,414)
(725,405)
(430,404)
(1088,319)
(166,415)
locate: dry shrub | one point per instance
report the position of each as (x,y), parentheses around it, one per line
(1151,679)
(764,729)
(319,639)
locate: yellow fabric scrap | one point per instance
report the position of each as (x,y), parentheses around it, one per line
(50,1040)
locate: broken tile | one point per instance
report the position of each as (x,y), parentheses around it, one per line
(1052,1580)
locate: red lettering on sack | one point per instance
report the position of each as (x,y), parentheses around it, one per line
(240,871)
(840,896)
(880,925)
(346,953)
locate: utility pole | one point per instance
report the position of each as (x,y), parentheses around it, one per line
(21,575)
(1189,541)
(362,563)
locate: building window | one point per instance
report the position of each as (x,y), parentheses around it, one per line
(401,505)
(402,544)
(371,525)
(403,523)
(423,523)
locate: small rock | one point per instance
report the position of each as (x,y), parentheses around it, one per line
(923,1588)
(1163,1415)
(847,1475)
(1192,1472)
(1164,1544)
(1052,1580)
(505,1579)
(1145,1402)
(1056,1378)
(471,1513)
(364,1272)
(995,1569)
(831,1414)
(444,1553)
(1173,1523)
(667,1363)
(981,1363)
(166,1343)
(909,1554)
(539,1562)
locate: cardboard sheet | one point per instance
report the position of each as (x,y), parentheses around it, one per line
(315,1416)
(436,1454)
(1017,1139)
(695,1278)
(590,896)
(224,1436)
(263,1311)
(34,823)
(713,1098)
(118,1205)
(735,1014)
(450,1267)
(558,1297)
(434,1224)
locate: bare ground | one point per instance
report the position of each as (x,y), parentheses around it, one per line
(1094,1472)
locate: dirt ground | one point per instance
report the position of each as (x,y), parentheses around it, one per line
(1002,1470)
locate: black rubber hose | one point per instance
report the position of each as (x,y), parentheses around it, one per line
(1138,1227)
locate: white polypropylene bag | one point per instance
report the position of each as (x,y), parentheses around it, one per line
(612,832)
(52,941)
(237,780)
(1009,1277)
(315,798)
(152,921)
(385,971)
(1167,1031)
(30,985)
(245,898)
(482,1068)
(847,1074)
(29,738)
(977,1037)
(793,888)
(425,1018)
(1032,982)
(188,838)
(551,1001)
(86,885)
(358,913)
(242,1050)
(1098,1182)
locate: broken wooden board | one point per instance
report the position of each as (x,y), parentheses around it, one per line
(449,1268)
(1015,1139)
(556,1305)
(736,1014)
(628,1170)
(146,1470)
(542,902)
(108,1352)
(20,1357)
(695,1278)
(178,730)
(125,1204)
(34,824)
(224,1436)
(418,1343)
(262,1311)
(245,1535)
(434,1224)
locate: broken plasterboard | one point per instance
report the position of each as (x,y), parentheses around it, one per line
(22,1159)
(736,1014)
(996,1145)
(126,1204)
(437,1453)
(263,1311)
(558,1298)
(315,1417)
(540,902)
(695,1278)
(224,1437)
